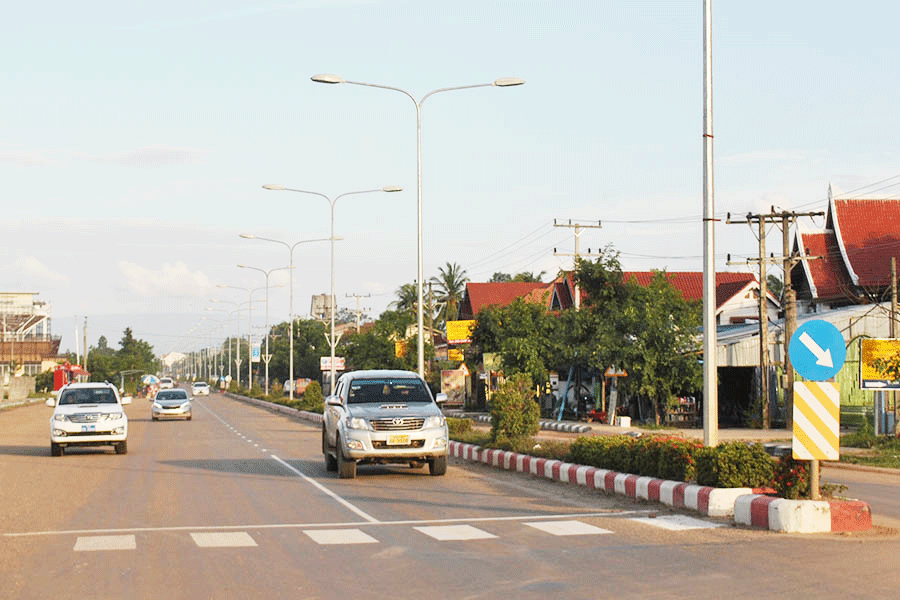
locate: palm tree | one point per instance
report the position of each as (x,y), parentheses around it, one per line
(407,296)
(451,286)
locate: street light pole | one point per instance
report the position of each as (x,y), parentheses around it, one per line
(290,248)
(502,82)
(268,356)
(249,333)
(331,202)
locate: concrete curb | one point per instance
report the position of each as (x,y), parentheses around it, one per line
(802,516)
(279,408)
(545,425)
(708,501)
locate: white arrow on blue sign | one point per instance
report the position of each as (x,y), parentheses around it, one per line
(817,350)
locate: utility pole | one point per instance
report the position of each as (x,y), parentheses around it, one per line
(578,227)
(84,332)
(790,306)
(358,309)
(894,335)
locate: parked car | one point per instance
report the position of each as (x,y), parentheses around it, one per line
(382,416)
(174,403)
(88,414)
(200,388)
(166,383)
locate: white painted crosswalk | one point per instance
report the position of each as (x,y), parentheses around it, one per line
(459,532)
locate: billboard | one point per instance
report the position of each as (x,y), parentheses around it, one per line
(460,332)
(325,363)
(879,364)
(453,383)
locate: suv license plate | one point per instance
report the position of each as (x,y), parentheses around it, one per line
(87,428)
(398,440)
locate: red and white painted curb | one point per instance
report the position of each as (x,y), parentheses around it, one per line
(802,516)
(744,504)
(708,501)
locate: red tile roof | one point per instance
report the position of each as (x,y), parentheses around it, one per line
(867,236)
(480,295)
(690,283)
(826,274)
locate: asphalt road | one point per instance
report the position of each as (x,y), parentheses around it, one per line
(237,504)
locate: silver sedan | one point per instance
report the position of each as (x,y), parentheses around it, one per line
(174,403)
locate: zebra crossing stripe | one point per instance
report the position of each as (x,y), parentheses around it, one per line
(816,420)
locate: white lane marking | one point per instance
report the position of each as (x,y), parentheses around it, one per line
(568,528)
(678,523)
(340,536)
(105,542)
(325,490)
(257,526)
(235,539)
(447,533)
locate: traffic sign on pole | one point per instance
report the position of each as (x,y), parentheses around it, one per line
(817,350)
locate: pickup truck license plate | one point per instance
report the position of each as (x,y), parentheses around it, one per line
(398,440)
(88,428)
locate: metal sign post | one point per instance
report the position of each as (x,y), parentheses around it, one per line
(817,352)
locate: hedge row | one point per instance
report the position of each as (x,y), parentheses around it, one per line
(733,464)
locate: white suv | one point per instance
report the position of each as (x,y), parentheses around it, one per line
(384,417)
(88,414)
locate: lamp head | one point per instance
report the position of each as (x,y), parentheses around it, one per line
(327,78)
(247,236)
(509,81)
(392,188)
(273,186)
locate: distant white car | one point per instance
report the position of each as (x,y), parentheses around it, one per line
(200,388)
(173,403)
(166,383)
(88,414)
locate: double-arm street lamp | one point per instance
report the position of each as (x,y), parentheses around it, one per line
(290,248)
(249,332)
(265,272)
(502,82)
(331,201)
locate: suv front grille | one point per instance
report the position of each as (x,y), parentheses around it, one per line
(398,424)
(85,418)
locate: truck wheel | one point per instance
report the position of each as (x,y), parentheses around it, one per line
(346,467)
(122,447)
(438,465)
(55,449)
(330,461)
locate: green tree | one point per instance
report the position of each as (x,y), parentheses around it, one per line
(451,286)
(407,298)
(135,354)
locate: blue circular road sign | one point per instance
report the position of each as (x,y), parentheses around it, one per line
(817,350)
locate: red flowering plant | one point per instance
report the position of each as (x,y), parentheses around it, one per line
(791,478)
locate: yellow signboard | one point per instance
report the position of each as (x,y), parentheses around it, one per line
(817,408)
(400,349)
(455,354)
(871,350)
(460,332)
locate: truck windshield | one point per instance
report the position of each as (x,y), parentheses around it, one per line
(88,396)
(392,391)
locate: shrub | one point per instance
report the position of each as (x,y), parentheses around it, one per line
(514,412)
(456,426)
(791,478)
(734,464)
(313,400)
(677,459)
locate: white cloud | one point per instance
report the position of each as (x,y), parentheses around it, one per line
(37,272)
(169,280)
(25,158)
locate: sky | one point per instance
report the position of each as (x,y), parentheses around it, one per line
(135,138)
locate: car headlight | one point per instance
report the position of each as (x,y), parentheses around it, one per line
(357,423)
(60,418)
(114,416)
(157,405)
(186,406)
(434,421)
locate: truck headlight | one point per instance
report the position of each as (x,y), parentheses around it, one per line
(113,416)
(435,421)
(60,418)
(356,423)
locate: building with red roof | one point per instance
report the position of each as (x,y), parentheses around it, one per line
(736,294)
(848,261)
